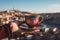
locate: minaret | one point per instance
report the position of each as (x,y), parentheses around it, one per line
(13,8)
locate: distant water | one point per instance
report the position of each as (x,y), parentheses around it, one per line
(51,25)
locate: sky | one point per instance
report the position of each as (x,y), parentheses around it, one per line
(35,6)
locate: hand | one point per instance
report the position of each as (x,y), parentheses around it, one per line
(22,33)
(36,30)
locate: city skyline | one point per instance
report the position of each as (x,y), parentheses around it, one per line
(37,6)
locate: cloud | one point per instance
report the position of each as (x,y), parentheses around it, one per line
(51,8)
